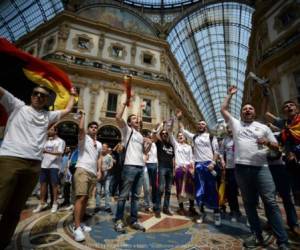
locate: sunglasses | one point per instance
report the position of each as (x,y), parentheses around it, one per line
(39,94)
(164,133)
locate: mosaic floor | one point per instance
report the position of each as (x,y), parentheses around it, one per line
(53,231)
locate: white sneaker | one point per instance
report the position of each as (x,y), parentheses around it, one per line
(54,208)
(85,228)
(69,208)
(217,217)
(233,219)
(40,207)
(78,235)
(200,219)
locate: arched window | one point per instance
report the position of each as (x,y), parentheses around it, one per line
(68,131)
(109,134)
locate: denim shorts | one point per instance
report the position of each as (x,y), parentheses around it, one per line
(49,175)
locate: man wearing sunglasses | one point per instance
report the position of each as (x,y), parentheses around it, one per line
(21,152)
(165,157)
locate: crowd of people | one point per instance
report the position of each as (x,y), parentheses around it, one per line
(254,160)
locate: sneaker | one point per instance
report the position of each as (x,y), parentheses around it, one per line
(138,226)
(283,246)
(78,235)
(85,228)
(119,227)
(192,212)
(181,211)
(40,208)
(148,210)
(247,223)
(157,214)
(217,218)
(167,212)
(108,210)
(54,208)
(233,219)
(253,241)
(296,230)
(69,208)
(200,219)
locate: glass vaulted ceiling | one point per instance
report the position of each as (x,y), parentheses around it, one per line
(18,17)
(160,3)
(211,47)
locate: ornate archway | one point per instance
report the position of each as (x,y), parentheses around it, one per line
(109,134)
(68,131)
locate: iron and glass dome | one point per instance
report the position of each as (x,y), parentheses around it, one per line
(209,41)
(211,47)
(160,3)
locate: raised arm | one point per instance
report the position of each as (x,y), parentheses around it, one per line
(179,118)
(225,106)
(120,121)
(70,104)
(81,134)
(156,131)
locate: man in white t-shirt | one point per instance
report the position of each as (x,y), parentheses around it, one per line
(86,174)
(251,141)
(21,152)
(205,156)
(132,174)
(51,164)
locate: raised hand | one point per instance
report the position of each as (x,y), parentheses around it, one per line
(232,90)
(178,114)
(73,91)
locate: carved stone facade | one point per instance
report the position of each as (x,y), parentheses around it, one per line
(86,52)
(272,56)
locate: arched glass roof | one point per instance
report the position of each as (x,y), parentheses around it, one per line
(160,3)
(211,47)
(18,17)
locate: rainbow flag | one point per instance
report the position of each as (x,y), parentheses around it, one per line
(20,71)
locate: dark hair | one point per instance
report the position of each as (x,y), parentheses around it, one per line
(164,130)
(93,123)
(248,103)
(129,118)
(289,101)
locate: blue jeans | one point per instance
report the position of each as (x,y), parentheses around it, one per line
(165,179)
(281,180)
(132,181)
(152,172)
(105,184)
(146,188)
(254,181)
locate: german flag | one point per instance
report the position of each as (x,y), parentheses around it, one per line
(20,72)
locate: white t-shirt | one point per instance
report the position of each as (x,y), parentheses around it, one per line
(53,145)
(245,135)
(202,146)
(26,130)
(183,152)
(152,155)
(135,148)
(89,151)
(227,149)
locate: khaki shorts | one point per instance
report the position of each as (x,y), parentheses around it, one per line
(84,182)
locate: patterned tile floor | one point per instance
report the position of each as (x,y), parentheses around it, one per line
(53,231)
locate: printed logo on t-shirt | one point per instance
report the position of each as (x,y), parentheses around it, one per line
(167,150)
